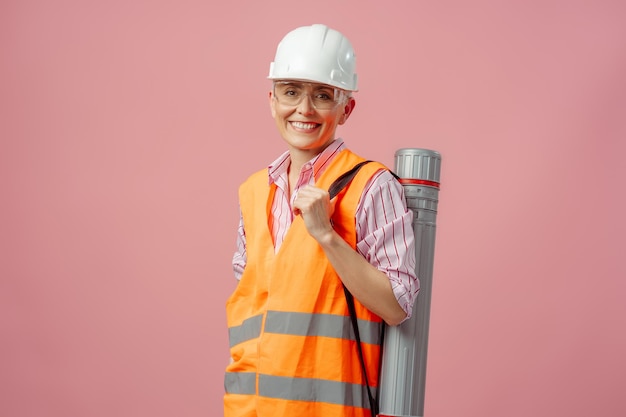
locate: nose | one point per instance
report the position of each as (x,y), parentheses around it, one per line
(306,105)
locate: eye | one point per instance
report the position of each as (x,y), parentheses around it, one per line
(324,96)
(288,90)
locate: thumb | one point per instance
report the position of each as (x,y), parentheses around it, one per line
(333,203)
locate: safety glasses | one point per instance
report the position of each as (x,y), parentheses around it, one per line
(322,96)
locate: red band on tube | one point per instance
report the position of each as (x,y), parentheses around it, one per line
(413,181)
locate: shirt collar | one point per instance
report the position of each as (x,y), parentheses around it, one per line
(320,162)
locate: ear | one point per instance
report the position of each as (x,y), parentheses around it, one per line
(272,104)
(347,110)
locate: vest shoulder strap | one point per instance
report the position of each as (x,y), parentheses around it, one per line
(339,184)
(344,179)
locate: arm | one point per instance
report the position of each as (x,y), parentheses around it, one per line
(368,285)
(240,257)
(382,274)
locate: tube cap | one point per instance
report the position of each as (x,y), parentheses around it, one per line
(419,166)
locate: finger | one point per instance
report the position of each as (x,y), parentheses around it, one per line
(312,191)
(333,201)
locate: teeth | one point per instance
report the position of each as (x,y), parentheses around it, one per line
(302,125)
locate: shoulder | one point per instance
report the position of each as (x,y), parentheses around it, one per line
(370,167)
(383,189)
(256,178)
(256,183)
(383,179)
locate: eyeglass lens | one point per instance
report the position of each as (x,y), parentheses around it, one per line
(322,96)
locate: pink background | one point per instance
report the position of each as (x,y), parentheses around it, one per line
(126,127)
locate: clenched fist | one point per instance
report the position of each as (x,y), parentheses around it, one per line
(316,208)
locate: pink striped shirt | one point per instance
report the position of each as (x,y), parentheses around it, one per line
(384,225)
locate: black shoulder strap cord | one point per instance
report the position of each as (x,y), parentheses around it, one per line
(339,184)
(344,179)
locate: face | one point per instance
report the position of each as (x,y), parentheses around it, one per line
(309,125)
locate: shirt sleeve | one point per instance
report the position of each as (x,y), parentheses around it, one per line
(240,257)
(385,236)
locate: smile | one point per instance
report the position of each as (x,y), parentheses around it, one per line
(304,126)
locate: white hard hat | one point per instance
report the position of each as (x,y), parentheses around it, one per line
(316,53)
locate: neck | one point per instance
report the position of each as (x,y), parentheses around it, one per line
(299,157)
(295,166)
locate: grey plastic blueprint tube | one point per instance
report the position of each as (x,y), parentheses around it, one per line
(403,366)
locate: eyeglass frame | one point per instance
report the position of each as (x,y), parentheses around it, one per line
(339,97)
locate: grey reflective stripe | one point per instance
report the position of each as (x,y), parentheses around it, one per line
(240,383)
(304,324)
(298,389)
(249,329)
(318,390)
(328,325)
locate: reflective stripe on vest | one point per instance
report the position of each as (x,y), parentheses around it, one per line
(240,383)
(249,329)
(305,324)
(300,389)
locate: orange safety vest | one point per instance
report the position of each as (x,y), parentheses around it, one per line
(292,346)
